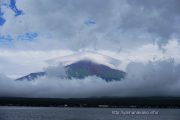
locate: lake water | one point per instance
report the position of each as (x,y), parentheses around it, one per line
(52,113)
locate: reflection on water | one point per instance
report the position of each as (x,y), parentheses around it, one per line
(50,113)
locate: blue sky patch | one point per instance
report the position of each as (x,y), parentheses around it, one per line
(28,36)
(13,7)
(17,11)
(2,20)
(6,40)
(90,21)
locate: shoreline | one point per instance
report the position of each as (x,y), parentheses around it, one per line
(133,102)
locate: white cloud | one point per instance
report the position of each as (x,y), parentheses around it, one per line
(16,63)
(28,61)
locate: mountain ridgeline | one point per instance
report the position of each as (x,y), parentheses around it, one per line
(32,76)
(83,69)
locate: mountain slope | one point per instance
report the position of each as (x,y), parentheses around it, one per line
(82,69)
(32,76)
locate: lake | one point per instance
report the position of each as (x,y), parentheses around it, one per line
(55,113)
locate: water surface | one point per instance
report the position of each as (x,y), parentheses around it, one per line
(52,113)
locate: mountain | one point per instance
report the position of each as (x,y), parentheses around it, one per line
(32,76)
(82,69)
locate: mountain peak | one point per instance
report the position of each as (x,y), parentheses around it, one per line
(84,68)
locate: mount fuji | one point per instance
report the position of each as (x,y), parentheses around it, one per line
(83,64)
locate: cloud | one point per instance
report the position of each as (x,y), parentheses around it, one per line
(56,71)
(118,24)
(17,63)
(157,17)
(160,78)
(129,31)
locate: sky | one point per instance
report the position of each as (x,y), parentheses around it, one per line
(139,35)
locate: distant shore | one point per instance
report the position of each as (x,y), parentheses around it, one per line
(129,102)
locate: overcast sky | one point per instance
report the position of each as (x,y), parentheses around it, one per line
(144,32)
(44,29)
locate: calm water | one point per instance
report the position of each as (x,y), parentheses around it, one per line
(50,113)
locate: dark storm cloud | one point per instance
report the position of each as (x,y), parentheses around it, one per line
(160,17)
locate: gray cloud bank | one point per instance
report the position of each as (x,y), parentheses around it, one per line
(160,78)
(118,23)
